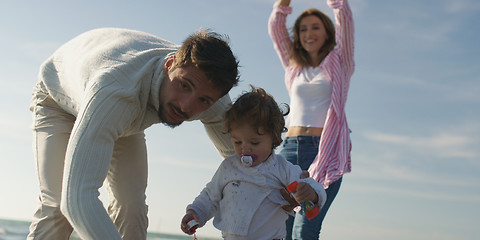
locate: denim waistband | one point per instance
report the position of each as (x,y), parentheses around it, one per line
(302,139)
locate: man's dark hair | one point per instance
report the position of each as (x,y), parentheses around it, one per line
(211,54)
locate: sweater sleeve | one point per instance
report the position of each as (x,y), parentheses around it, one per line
(212,120)
(344,33)
(333,159)
(206,204)
(318,188)
(278,32)
(99,123)
(293,174)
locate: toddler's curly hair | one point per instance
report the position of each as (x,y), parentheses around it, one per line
(261,111)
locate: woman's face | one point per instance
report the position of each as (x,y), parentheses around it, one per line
(312,34)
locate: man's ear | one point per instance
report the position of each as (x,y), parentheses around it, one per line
(169,64)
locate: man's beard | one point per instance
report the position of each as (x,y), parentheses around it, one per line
(163,118)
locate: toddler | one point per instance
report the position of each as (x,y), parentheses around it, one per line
(244,196)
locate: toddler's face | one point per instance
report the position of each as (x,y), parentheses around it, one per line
(247,140)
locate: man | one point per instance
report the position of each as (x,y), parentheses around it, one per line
(95,96)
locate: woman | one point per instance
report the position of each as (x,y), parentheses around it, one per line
(318,64)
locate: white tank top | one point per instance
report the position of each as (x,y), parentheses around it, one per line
(309,99)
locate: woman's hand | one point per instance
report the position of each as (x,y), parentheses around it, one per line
(283,2)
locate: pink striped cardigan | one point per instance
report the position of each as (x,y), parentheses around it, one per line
(333,159)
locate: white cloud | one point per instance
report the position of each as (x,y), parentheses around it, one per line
(464,6)
(423,27)
(195,164)
(363,230)
(440,145)
(380,168)
(39,51)
(418,32)
(421,191)
(14,126)
(460,85)
(398,160)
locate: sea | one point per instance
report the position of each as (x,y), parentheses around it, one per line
(18,230)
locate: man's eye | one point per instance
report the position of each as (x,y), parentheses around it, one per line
(254,143)
(206,101)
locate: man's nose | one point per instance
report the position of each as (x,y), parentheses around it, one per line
(187,104)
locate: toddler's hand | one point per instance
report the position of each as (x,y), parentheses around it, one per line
(188,216)
(286,195)
(305,193)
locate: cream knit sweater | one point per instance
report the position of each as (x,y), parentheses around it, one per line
(110,80)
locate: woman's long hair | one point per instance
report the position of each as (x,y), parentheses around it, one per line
(299,55)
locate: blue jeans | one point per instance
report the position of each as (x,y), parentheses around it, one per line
(301,151)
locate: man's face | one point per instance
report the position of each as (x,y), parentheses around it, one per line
(185,93)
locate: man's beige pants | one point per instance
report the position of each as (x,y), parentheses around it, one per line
(126,180)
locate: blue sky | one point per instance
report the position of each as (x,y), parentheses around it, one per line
(413,108)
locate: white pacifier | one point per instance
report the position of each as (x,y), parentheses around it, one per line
(248,159)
